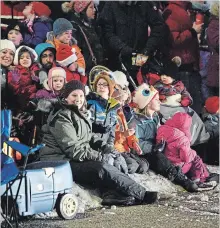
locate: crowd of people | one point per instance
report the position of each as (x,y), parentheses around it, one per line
(116,88)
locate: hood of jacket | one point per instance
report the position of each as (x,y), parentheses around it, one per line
(181,121)
(110,104)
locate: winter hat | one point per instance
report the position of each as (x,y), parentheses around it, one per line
(54,72)
(65,55)
(212,104)
(79,6)
(110,80)
(7,44)
(70,87)
(40,48)
(23,49)
(61,25)
(215,9)
(170,69)
(143,95)
(15,26)
(120,79)
(40,9)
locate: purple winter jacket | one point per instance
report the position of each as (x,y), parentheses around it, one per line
(40,27)
(46,94)
(213,42)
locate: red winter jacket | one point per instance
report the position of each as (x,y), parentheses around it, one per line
(23,83)
(184,39)
(176,132)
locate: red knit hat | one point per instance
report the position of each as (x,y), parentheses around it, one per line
(65,55)
(40,9)
(79,6)
(212,104)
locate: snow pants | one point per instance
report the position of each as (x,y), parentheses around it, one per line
(105,177)
(196,170)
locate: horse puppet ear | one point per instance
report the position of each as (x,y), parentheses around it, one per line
(177,60)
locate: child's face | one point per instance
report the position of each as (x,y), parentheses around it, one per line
(166,79)
(103,88)
(27,10)
(25,60)
(77,98)
(154,104)
(65,37)
(6,57)
(15,36)
(58,83)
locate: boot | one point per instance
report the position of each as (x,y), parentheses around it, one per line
(175,175)
(150,197)
(117,199)
(213,177)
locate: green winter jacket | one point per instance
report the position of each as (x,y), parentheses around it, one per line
(68,136)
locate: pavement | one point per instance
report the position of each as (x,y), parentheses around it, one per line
(183,210)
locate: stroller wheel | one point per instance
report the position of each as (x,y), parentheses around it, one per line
(66,206)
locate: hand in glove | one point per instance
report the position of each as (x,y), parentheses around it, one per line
(108,158)
(99,128)
(121,164)
(160,146)
(107,149)
(15,75)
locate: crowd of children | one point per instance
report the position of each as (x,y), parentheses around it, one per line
(105,131)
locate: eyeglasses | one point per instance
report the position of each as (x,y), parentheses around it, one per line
(104,85)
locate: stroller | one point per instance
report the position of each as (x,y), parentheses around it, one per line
(33,188)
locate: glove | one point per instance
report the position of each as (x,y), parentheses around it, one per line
(99,128)
(121,164)
(185,102)
(108,149)
(108,158)
(15,75)
(160,146)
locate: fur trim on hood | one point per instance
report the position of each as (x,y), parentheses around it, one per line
(67,7)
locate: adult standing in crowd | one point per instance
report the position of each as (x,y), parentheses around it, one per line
(185,45)
(82,14)
(213,43)
(68,136)
(11,12)
(7,52)
(125,31)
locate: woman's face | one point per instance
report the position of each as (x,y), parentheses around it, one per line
(6,57)
(27,10)
(102,88)
(25,60)
(15,36)
(90,12)
(77,98)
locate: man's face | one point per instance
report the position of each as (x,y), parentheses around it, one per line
(47,59)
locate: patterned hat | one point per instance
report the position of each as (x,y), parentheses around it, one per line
(143,95)
(108,78)
(79,6)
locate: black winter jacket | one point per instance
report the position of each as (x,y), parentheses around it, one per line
(125,29)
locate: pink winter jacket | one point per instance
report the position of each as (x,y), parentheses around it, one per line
(176,132)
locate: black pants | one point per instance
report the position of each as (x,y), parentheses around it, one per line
(192,82)
(159,163)
(104,176)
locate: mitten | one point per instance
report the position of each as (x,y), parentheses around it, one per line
(99,128)
(121,164)
(185,102)
(160,146)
